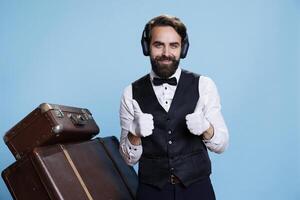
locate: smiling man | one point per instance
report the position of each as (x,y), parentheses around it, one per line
(169,118)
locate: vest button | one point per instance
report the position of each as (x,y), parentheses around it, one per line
(170,142)
(172,169)
(169,131)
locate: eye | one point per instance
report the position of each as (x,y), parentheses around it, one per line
(174,45)
(158,45)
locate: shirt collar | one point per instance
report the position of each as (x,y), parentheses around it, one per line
(176,74)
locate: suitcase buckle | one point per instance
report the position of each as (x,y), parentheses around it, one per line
(58,112)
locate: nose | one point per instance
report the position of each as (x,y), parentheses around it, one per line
(166,51)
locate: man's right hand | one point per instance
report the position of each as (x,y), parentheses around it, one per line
(142,124)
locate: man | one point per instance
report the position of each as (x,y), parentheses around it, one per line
(169,118)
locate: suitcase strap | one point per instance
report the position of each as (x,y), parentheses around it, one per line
(88,194)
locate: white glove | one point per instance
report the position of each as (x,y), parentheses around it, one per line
(196,122)
(142,124)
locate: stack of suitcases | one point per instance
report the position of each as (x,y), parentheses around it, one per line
(57,159)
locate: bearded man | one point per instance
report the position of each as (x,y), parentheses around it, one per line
(169,118)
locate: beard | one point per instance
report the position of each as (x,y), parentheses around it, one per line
(164,70)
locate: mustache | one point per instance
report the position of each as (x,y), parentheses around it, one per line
(165,58)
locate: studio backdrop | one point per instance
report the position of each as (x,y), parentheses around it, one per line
(84,54)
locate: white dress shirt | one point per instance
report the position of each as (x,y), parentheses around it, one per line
(209,101)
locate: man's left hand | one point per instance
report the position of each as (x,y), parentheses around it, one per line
(196,121)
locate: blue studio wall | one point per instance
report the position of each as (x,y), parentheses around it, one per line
(85,53)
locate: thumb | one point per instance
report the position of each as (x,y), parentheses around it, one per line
(198,107)
(136,107)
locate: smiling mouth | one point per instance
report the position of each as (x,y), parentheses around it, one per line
(165,61)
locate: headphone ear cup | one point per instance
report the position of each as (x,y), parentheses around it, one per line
(145,47)
(144,44)
(185,47)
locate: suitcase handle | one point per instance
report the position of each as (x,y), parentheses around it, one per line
(77,120)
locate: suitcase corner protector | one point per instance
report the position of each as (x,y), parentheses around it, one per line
(44,107)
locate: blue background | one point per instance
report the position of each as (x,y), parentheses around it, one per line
(85,54)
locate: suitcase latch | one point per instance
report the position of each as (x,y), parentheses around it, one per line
(77,119)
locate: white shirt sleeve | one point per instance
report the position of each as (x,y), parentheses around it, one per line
(130,153)
(211,108)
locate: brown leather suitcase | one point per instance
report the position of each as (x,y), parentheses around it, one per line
(50,124)
(129,176)
(86,170)
(23,181)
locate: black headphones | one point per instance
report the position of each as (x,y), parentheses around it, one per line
(145,37)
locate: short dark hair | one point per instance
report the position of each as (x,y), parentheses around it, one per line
(165,20)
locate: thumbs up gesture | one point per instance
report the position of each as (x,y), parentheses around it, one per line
(142,124)
(196,122)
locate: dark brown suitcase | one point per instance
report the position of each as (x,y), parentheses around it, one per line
(50,124)
(23,182)
(129,176)
(72,171)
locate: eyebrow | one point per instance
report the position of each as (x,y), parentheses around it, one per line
(172,43)
(157,42)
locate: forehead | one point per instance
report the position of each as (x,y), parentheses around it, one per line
(165,34)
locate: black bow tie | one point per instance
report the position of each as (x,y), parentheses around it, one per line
(160,81)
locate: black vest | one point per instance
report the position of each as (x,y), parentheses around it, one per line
(171,149)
